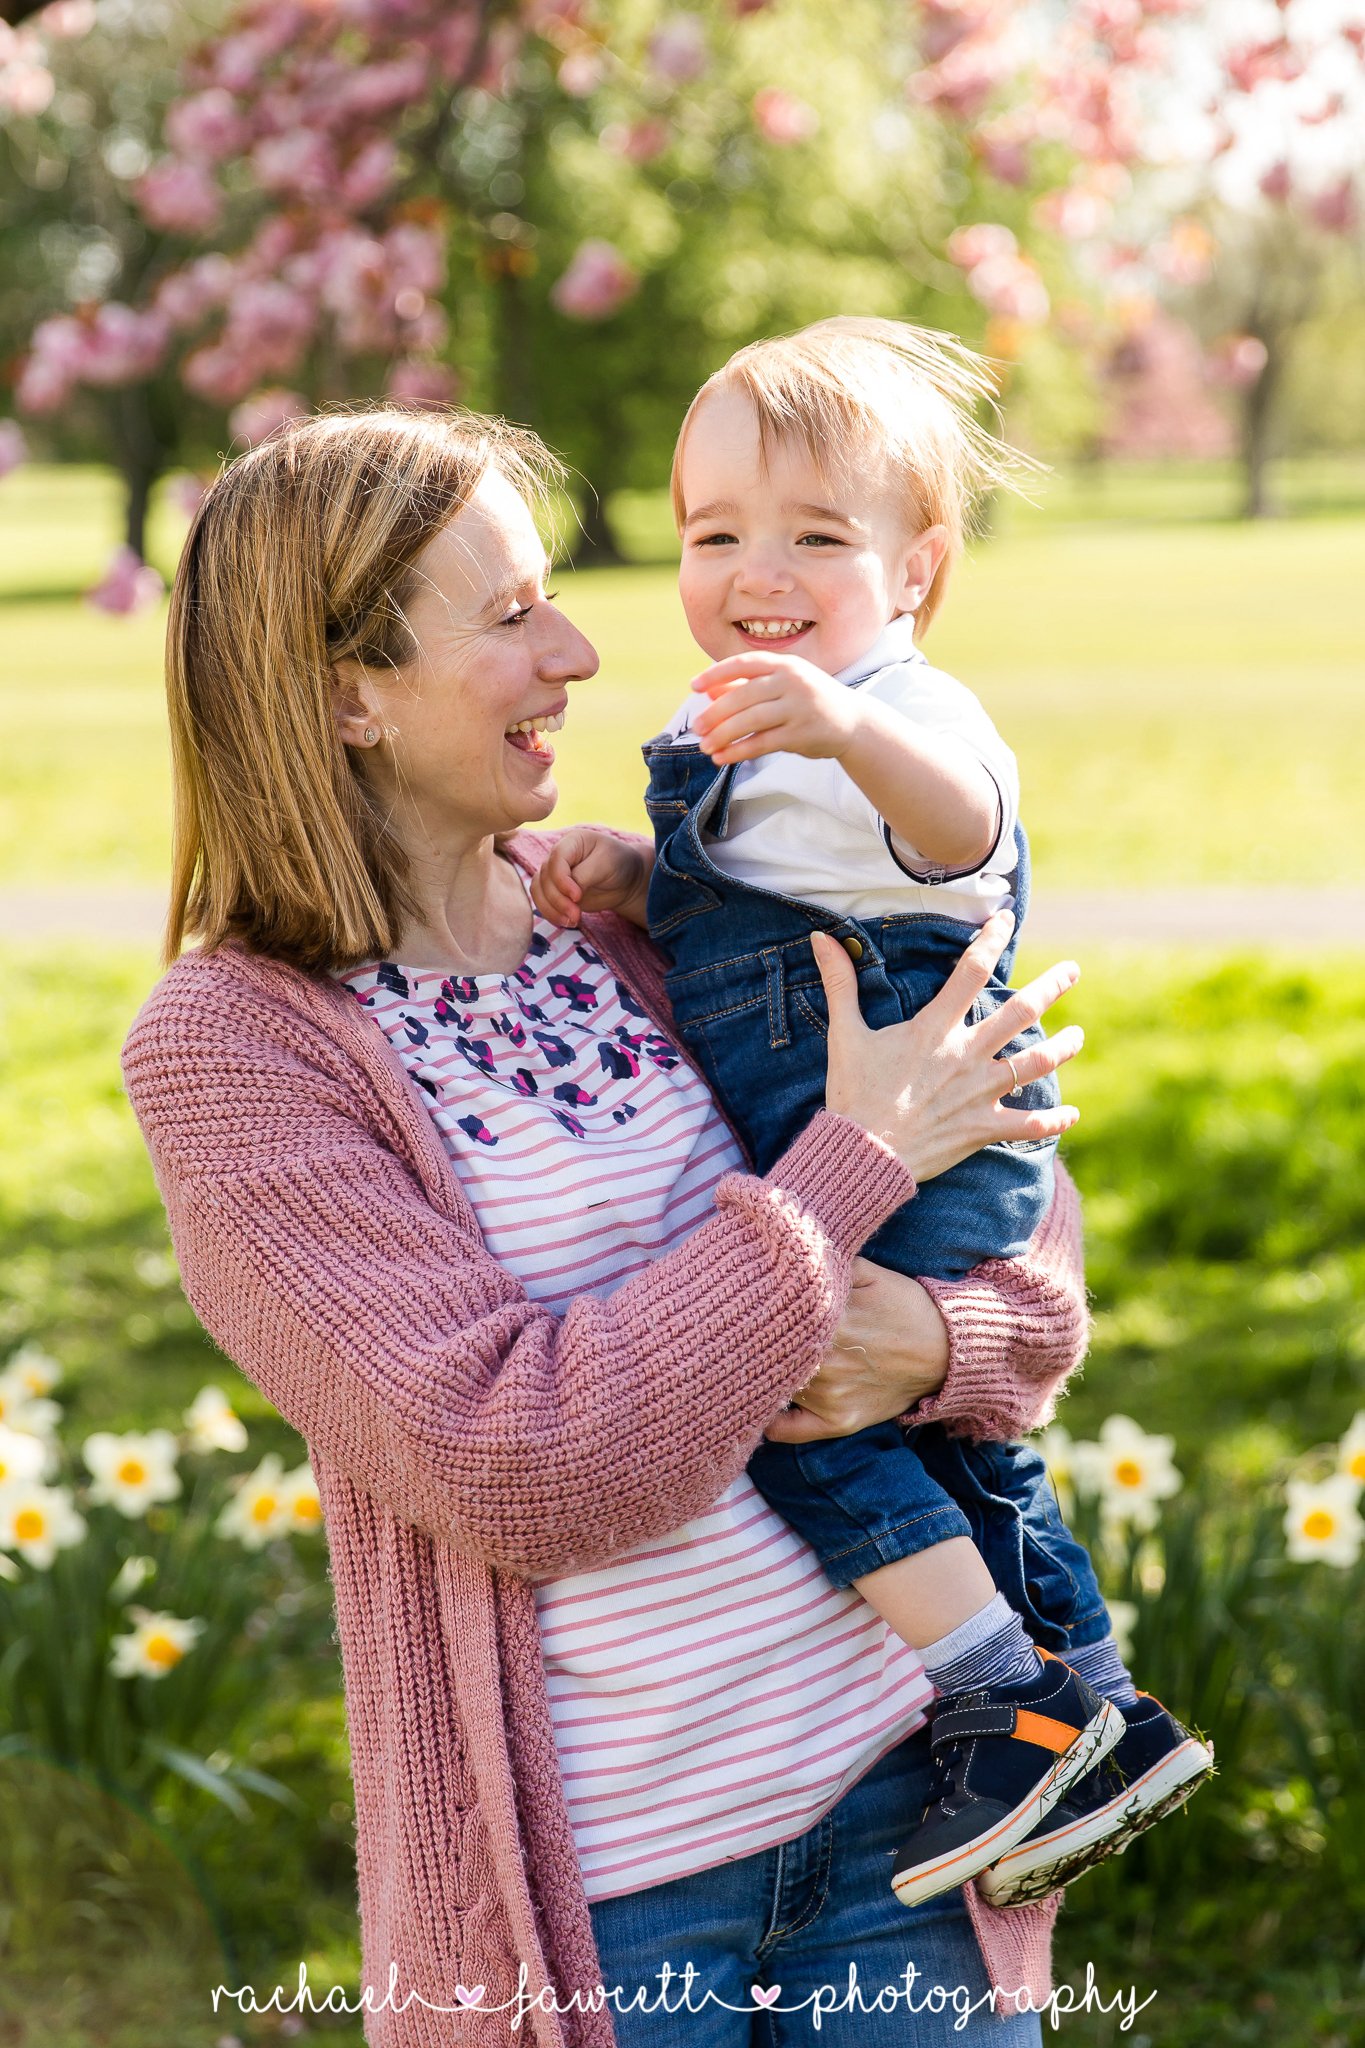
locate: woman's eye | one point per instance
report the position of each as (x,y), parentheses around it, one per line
(515,618)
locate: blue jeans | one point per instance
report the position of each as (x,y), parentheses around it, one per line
(748,1005)
(801,1918)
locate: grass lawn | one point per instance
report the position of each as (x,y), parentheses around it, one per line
(1184,697)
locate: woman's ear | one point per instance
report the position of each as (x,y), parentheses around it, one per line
(355,704)
(923,560)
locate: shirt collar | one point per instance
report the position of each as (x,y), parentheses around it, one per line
(895,643)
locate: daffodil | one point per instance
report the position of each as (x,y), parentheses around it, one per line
(133,1470)
(22,1456)
(22,1405)
(212,1424)
(1351,1450)
(299,1495)
(132,1573)
(38,1520)
(154,1646)
(1057,1451)
(259,1509)
(1123,1615)
(33,1370)
(1129,1470)
(1323,1521)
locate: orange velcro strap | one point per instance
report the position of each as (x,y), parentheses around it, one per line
(1039,1728)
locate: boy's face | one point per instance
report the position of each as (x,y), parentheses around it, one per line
(788,558)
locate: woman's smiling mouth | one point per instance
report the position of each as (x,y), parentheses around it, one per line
(528,734)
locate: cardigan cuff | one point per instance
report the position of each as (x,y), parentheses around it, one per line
(844,1178)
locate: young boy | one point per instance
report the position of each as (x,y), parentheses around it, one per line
(823,776)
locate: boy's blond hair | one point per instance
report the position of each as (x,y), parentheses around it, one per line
(912,393)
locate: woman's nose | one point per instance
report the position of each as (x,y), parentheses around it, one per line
(571,658)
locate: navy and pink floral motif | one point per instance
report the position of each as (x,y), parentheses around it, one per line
(574,1053)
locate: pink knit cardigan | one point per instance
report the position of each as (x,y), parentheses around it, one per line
(466,1442)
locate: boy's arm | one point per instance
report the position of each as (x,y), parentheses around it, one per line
(929,784)
(932,789)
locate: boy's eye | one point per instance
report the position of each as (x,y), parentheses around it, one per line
(820,540)
(711,540)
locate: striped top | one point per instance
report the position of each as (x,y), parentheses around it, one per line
(712,1694)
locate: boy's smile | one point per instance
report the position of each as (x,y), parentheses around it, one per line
(781,553)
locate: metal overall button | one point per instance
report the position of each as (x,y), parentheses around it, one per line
(853,947)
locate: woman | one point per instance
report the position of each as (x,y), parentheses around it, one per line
(361,662)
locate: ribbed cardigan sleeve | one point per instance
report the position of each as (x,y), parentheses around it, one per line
(383,1330)
(1017,1330)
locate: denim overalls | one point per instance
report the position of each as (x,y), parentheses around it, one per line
(749,1007)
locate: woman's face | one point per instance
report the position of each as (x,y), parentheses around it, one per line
(494,656)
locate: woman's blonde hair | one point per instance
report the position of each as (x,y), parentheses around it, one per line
(302,554)
(911,394)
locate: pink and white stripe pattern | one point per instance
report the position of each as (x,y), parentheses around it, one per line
(712,1694)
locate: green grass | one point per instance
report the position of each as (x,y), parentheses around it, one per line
(1184,698)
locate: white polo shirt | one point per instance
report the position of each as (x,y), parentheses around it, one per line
(804,828)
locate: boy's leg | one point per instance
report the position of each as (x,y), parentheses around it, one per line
(1013,1730)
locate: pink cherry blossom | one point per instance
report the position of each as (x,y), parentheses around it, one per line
(123,345)
(369,174)
(596,284)
(67,20)
(419,383)
(199,288)
(1010,287)
(1004,148)
(782,118)
(639,142)
(678,49)
(13,447)
(1337,209)
(1161,395)
(299,164)
(377,90)
(1278,182)
(207,126)
(26,84)
(128,585)
(218,374)
(581,72)
(1238,359)
(1254,63)
(979,242)
(186,492)
(962,83)
(179,197)
(1074,211)
(270,324)
(944,24)
(264,413)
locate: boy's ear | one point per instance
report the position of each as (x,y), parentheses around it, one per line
(355,703)
(923,559)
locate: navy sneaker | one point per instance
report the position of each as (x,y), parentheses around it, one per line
(1003,1757)
(1155,1768)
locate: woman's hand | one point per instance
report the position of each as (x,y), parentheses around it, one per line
(889,1351)
(931,1088)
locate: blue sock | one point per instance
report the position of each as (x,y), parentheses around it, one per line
(990,1649)
(1100,1665)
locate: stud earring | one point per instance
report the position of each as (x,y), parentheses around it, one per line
(371,735)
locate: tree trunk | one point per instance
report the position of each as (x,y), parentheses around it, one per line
(1257,420)
(139,456)
(595,546)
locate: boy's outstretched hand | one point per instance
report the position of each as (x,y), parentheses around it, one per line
(592,870)
(771,704)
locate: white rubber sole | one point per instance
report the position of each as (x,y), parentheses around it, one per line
(1094,1742)
(1034,1870)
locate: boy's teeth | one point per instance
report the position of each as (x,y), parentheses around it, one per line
(554,724)
(773,629)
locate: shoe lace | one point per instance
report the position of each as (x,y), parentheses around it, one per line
(943,1785)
